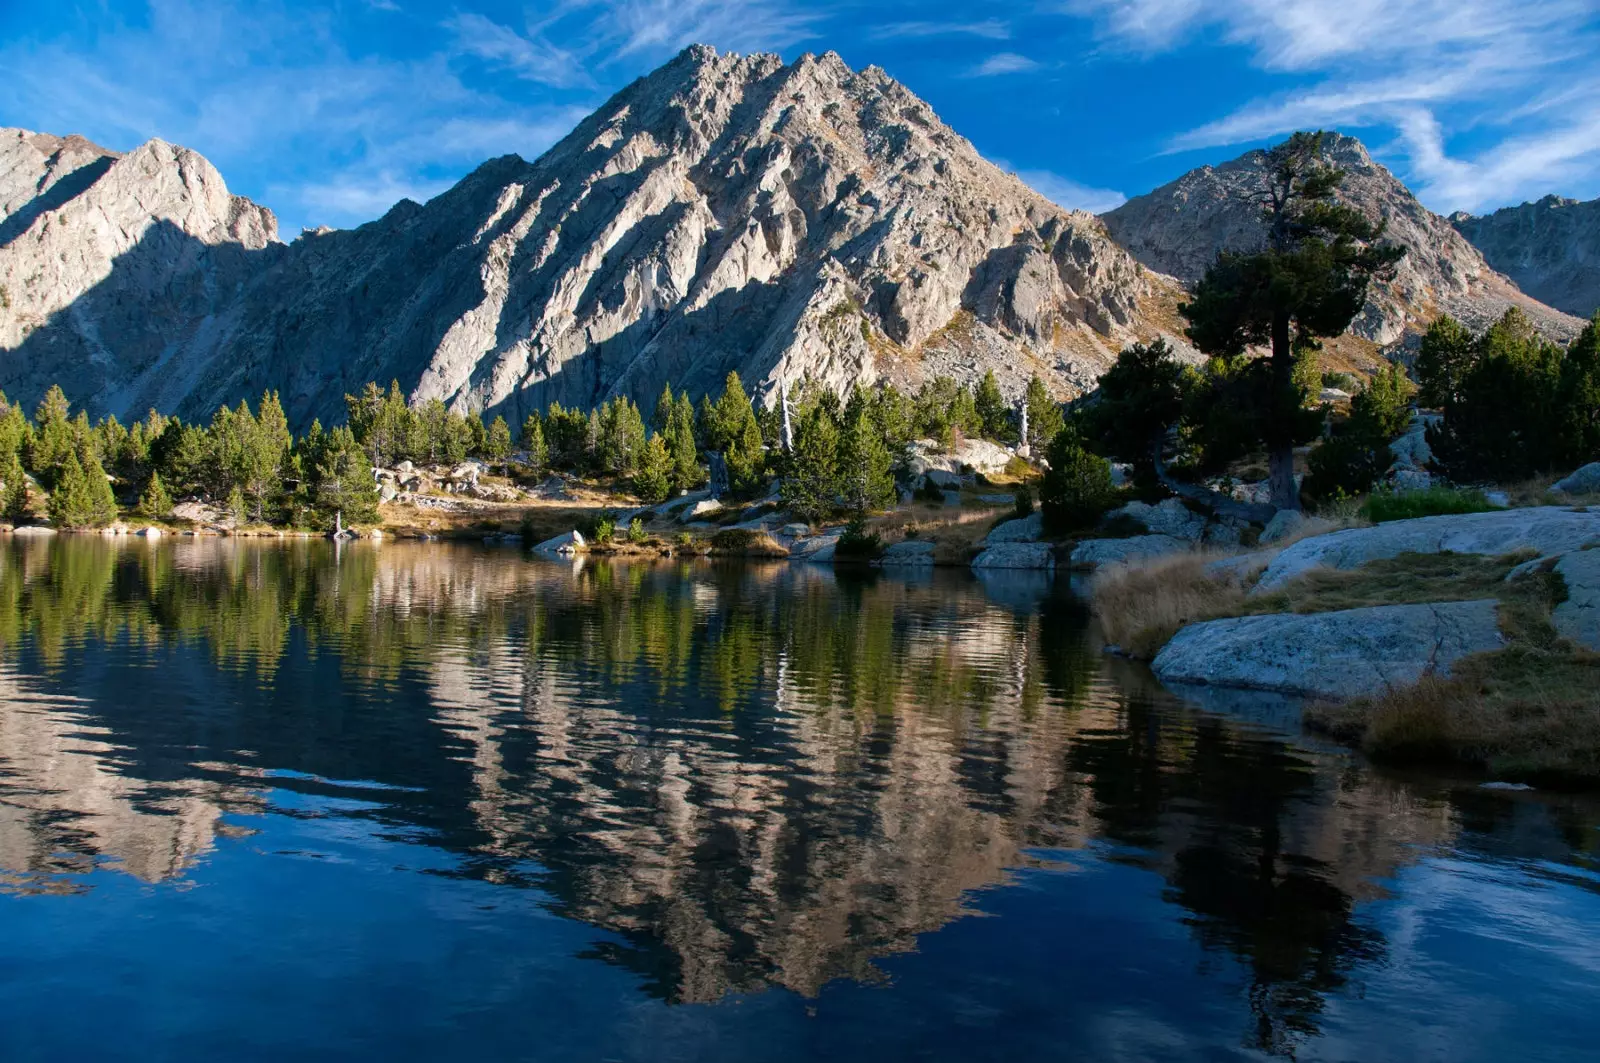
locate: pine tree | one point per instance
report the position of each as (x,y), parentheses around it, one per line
(1310,281)
(82,497)
(155,503)
(652,483)
(680,442)
(994,415)
(14,499)
(740,434)
(1044,414)
(497,448)
(865,480)
(238,508)
(534,445)
(811,473)
(343,481)
(53,438)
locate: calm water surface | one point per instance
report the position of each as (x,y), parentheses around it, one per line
(426,802)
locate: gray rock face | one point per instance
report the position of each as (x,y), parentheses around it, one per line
(1093,553)
(1168,517)
(1022,530)
(818,548)
(563,545)
(1341,655)
(908,552)
(121,273)
(1581,482)
(1550,248)
(1546,529)
(1578,618)
(1016,555)
(725,212)
(1179,228)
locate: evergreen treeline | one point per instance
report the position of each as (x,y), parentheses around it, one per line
(245,460)
(1514,405)
(248,462)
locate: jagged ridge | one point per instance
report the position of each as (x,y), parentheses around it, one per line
(1179,228)
(723,213)
(1551,249)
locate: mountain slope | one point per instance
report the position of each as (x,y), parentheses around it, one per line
(1179,228)
(114,265)
(1550,248)
(723,213)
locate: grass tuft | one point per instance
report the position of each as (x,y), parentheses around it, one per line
(1140,607)
(1405,505)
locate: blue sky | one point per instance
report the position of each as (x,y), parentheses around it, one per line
(329,113)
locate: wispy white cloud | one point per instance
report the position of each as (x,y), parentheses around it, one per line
(347,132)
(627,27)
(1073,195)
(1425,69)
(1003,63)
(531,57)
(364,195)
(993,29)
(1064,191)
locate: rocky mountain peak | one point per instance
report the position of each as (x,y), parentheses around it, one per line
(1179,228)
(724,212)
(1550,248)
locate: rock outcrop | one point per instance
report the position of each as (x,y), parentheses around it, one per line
(121,275)
(1345,654)
(1179,228)
(1016,555)
(1545,530)
(1578,618)
(1551,249)
(723,213)
(1092,553)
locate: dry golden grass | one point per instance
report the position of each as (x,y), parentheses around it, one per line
(743,542)
(1406,580)
(1526,712)
(1140,607)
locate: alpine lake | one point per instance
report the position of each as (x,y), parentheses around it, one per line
(422,801)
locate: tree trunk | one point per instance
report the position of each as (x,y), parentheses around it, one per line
(1280,429)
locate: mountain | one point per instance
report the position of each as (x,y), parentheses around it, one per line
(1550,248)
(119,274)
(1179,228)
(723,213)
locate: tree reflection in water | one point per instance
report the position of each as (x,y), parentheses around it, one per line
(751,775)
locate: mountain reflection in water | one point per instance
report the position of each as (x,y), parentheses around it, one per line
(737,777)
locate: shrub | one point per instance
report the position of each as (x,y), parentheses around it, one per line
(1077,489)
(1344,465)
(746,542)
(1024,501)
(1404,505)
(636,532)
(858,544)
(605,528)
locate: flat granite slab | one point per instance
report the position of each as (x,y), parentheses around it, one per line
(1338,655)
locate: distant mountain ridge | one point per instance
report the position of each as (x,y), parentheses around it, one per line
(723,213)
(1179,228)
(1551,248)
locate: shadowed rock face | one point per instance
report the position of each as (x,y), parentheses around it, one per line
(724,213)
(1550,248)
(1179,228)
